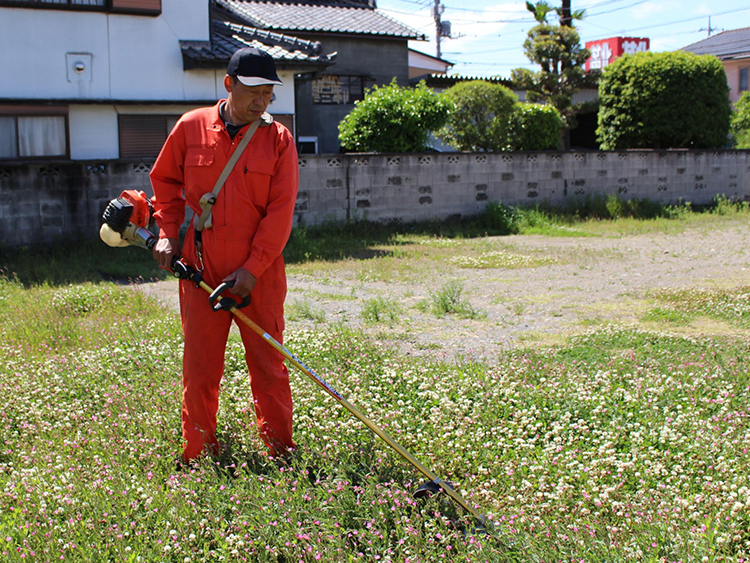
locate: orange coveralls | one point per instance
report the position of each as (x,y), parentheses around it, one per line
(252,220)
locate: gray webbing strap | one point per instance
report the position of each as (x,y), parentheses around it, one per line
(208,200)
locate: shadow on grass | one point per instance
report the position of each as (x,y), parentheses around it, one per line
(93,261)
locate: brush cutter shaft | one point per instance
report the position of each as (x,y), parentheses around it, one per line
(351,408)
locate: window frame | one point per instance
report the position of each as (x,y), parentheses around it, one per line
(32,111)
(133,7)
(345,80)
(130,135)
(746,71)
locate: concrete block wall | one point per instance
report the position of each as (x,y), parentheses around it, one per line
(381,187)
(50,202)
(44,202)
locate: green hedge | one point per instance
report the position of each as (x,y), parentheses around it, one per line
(535,127)
(393,119)
(488,117)
(663,100)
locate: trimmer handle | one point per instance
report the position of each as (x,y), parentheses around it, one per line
(226,303)
(180,269)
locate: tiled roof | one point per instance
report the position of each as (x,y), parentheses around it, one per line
(732,44)
(227,37)
(327,17)
(446,81)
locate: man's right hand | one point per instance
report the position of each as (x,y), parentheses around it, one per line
(164,249)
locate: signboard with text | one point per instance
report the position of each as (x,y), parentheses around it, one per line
(605,51)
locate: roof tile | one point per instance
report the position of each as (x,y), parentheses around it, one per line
(338,17)
(734,43)
(227,37)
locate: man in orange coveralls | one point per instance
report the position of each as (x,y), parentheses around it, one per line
(251,223)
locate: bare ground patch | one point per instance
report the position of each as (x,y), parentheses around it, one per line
(567,286)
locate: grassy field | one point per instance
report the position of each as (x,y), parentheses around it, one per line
(622,445)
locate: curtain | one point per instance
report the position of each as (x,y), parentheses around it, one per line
(8,142)
(41,136)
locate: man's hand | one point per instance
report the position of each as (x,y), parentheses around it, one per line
(163,251)
(244,282)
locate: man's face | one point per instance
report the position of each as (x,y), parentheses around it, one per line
(246,103)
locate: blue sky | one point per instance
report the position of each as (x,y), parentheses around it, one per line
(487,35)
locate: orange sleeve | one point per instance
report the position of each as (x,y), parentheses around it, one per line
(274,229)
(168,182)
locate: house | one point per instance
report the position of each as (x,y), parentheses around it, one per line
(422,65)
(371,49)
(107,79)
(732,48)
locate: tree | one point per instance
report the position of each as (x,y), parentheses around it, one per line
(393,119)
(740,122)
(542,8)
(557,50)
(480,118)
(663,100)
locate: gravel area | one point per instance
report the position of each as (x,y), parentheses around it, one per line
(583,282)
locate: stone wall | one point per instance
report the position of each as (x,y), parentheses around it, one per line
(43,202)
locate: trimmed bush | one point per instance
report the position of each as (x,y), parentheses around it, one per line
(663,100)
(480,118)
(535,127)
(393,119)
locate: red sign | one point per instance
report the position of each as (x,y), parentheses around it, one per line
(604,51)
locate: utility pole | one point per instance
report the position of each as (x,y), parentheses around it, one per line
(709,29)
(442,29)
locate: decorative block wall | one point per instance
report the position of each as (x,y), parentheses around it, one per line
(42,202)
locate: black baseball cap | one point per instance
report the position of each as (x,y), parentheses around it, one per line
(253,67)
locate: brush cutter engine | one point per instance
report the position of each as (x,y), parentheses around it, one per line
(127,220)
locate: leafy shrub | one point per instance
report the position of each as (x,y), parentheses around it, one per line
(480,118)
(740,122)
(535,127)
(393,119)
(663,100)
(500,219)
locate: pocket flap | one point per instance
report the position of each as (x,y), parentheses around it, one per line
(199,157)
(259,165)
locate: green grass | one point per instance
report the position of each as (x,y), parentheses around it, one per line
(622,445)
(303,310)
(393,251)
(684,305)
(381,310)
(449,300)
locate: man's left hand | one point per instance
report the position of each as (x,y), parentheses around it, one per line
(244,282)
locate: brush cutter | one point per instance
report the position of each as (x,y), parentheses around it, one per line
(126,220)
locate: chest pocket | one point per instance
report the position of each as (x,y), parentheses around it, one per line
(199,157)
(259,166)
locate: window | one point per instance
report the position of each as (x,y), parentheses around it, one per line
(145,7)
(142,136)
(332,89)
(744,79)
(33,136)
(307,145)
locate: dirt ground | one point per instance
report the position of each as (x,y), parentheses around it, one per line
(589,282)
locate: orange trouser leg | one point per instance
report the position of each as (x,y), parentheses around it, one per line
(205,335)
(269,379)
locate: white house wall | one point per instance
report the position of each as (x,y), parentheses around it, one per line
(125,57)
(94,128)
